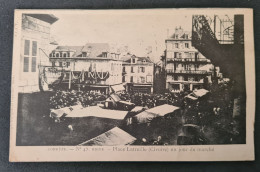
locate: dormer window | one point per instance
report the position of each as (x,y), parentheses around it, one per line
(144,61)
(57,55)
(104,54)
(133,60)
(84,54)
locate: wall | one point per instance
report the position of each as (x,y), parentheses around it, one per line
(39,31)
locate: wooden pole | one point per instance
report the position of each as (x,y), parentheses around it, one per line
(70,81)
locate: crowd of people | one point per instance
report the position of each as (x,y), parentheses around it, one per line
(69,98)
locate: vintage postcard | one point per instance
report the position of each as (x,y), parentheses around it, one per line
(133,85)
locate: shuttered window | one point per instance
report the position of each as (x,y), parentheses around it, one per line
(26,64)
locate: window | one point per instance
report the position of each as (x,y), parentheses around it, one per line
(26,64)
(68,64)
(26,55)
(53,64)
(34,48)
(68,54)
(26,47)
(144,61)
(176,45)
(131,79)
(175,77)
(133,60)
(30,56)
(175,55)
(132,69)
(124,69)
(60,54)
(64,55)
(123,80)
(84,54)
(104,54)
(142,69)
(149,78)
(60,64)
(142,79)
(57,55)
(33,64)
(34,54)
(51,55)
(185,78)
(186,45)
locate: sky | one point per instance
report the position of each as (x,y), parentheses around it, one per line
(135,30)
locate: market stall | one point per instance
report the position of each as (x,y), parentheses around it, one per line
(113,137)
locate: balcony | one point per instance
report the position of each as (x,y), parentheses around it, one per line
(182,81)
(188,60)
(202,72)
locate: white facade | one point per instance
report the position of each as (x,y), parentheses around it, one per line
(139,71)
(35,44)
(186,68)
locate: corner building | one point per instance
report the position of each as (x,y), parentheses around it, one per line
(186,68)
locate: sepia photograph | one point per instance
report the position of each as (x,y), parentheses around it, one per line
(133,80)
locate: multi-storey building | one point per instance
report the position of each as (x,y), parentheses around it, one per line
(138,74)
(100,67)
(35,42)
(186,68)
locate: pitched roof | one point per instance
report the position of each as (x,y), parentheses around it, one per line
(96,49)
(180,32)
(140,59)
(77,49)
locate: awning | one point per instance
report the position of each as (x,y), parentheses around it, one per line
(142,85)
(162,110)
(113,137)
(119,87)
(191,97)
(91,111)
(200,92)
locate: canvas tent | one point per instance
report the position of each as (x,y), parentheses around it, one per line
(91,111)
(162,110)
(113,137)
(197,94)
(119,87)
(200,93)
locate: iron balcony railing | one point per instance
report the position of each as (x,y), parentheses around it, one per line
(187,60)
(187,71)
